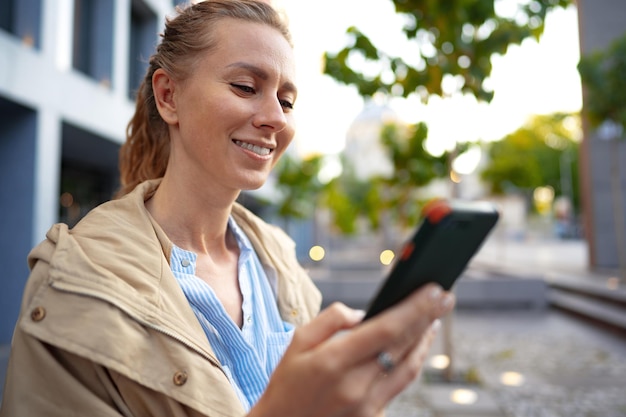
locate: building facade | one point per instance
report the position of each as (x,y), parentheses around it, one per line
(601,22)
(68,74)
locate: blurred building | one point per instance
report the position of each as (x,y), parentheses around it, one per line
(601,22)
(364,151)
(68,72)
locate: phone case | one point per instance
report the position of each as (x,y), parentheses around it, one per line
(446,240)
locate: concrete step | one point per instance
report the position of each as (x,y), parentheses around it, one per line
(496,291)
(595,304)
(474,290)
(597,288)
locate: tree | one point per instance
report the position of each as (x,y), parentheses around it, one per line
(538,154)
(455,38)
(395,195)
(297,180)
(603,77)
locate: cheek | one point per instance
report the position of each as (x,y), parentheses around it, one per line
(290,130)
(204,117)
(286,137)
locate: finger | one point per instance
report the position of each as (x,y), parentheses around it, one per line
(406,321)
(406,371)
(331,320)
(377,387)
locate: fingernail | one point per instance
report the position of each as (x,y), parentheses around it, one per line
(447,301)
(435,293)
(436,325)
(358,314)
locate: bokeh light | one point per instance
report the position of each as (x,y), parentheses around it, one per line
(386,257)
(317,253)
(512,379)
(464,396)
(439,361)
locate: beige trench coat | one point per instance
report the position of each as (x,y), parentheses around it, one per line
(105,330)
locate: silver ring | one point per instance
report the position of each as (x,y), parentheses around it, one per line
(386,362)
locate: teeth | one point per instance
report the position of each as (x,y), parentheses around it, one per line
(254,148)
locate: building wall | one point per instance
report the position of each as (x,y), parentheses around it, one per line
(68,72)
(601,21)
(17,163)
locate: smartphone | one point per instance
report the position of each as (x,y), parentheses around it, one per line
(449,235)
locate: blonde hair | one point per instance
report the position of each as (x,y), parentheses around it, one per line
(145,153)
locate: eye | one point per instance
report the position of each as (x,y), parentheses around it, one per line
(244,88)
(286,104)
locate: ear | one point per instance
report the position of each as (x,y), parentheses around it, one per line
(163,88)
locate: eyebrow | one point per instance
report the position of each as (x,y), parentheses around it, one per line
(262,74)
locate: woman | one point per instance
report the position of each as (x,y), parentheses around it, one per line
(173,300)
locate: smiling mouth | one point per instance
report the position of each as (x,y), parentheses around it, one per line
(259,150)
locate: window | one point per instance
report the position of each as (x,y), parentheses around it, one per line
(93,39)
(89,173)
(22,18)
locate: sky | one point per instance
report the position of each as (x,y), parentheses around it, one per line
(534,78)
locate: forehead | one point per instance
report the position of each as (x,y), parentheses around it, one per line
(256,44)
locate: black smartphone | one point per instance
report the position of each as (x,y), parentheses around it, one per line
(449,235)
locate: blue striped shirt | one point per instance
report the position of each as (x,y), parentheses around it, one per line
(249,354)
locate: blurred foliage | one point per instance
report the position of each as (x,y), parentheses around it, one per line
(603,75)
(297,180)
(396,195)
(413,167)
(536,155)
(454,38)
(350,198)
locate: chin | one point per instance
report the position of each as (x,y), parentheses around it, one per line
(254,183)
(251,188)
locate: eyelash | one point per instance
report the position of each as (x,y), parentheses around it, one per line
(250,90)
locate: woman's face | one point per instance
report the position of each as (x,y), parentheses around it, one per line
(234,115)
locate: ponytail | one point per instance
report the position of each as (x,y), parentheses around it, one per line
(145,153)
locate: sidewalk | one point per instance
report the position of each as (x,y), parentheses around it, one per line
(540,257)
(523,364)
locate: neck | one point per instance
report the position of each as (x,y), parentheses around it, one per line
(194,220)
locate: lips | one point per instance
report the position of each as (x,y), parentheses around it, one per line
(259,150)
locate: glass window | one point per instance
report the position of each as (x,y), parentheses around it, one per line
(22,18)
(93,39)
(89,172)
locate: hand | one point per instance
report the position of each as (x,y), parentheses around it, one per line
(325,376)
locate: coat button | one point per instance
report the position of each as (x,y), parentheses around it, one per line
(180,377)
(38,313)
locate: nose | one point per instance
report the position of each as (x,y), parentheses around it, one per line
(270,115)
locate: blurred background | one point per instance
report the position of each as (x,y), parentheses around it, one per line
(519,102)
